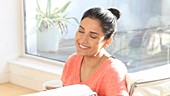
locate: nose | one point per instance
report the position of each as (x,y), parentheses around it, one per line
(84,39)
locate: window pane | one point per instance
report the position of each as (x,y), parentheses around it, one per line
(143,37)
(49,43)
(142,40)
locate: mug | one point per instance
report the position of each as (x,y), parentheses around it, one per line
(52,84)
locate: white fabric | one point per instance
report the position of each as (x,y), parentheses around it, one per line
(152,82)
(72,90)
(154,88)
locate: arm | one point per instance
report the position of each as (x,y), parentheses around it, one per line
(116,86)
(115,80)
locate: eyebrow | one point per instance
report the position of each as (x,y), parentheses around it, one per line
(90,31)
(81,26)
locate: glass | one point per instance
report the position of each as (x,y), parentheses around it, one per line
(66,43)
(142,40)
(145,27)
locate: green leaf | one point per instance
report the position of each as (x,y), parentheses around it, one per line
(63,9)
(48,9)
(57,17)
(38,6)
(39,22)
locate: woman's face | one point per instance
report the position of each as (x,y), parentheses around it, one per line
(89,38)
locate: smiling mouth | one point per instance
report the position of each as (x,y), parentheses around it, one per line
(84,47)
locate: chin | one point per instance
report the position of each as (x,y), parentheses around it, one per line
(81,54)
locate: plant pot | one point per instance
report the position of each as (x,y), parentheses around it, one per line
(48,40)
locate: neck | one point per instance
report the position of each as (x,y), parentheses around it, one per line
(93,61)
(90,64)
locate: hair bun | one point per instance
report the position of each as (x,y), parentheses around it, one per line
(115,12)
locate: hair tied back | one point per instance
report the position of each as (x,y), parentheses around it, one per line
(115,12)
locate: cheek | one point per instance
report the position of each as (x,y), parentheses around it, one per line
(76,37)
(97,45)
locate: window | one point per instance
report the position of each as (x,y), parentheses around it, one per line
(142,40)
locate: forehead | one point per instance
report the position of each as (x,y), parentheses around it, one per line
(91,24)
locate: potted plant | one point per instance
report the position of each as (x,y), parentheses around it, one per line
(52,23)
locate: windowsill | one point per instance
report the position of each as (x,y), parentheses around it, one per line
(54,67)
(28,72)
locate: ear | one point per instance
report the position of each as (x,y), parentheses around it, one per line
(108,41)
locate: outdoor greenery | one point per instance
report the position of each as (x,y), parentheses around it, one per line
(49,18)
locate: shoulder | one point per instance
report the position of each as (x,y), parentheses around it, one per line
(73,59)
(74,56)
(114,80)
(116,64)
(72,62)
(116,67)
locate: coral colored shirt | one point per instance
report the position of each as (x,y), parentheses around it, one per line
(108,80)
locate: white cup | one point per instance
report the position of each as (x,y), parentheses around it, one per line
(52,84)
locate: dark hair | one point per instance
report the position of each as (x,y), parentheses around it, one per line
(107,17)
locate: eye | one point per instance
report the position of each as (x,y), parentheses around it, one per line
(80,30)
(93,36)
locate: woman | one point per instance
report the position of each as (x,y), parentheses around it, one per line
(92,65)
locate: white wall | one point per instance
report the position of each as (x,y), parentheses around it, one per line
(13,69)
(8,36)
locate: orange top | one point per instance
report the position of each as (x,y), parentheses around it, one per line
(108,80)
